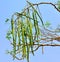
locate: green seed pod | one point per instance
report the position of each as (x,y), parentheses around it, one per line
(18,32)
(13,36)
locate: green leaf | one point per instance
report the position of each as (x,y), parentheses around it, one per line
(7,20)
(47,24)
(58,4)
(8,35)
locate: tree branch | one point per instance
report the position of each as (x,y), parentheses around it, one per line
(54,5)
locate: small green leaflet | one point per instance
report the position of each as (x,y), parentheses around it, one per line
(47,24)
(7,20)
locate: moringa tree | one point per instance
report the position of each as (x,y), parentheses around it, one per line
(28,31)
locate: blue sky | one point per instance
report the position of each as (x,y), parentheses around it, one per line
(7,8)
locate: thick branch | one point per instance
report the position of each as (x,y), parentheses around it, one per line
(54,5)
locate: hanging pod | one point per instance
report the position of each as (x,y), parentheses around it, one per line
(36,26)
(29,30)
(23,40)
(13,38)
(36,12)
(34,21)
(26,33)
(18,32)
(31,36)
(27,49)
